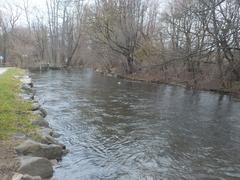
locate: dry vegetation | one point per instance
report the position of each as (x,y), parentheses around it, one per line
(191,42)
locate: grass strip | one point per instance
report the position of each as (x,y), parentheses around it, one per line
(14,111)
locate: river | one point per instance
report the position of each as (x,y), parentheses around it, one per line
(117,129)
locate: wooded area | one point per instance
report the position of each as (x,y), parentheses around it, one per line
(192,41)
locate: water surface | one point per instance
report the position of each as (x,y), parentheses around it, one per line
(132,130)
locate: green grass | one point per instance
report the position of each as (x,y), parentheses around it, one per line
(14,112)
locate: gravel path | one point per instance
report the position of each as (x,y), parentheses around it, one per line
(2,70)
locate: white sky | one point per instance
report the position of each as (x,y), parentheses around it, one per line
(37,4)
(40,4)
(32,4)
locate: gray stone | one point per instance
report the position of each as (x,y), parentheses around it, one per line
(48,137)
(37,113)
(28,177)
(40,122)
(45,132)
(18,176)
(55,134)
(54,162)
(33,148)
(43,111)
(26,80)
(26,88)
(35,106)
(27,97)
(65,151)
(36,166)
(52,178)
(19,136)
(50,140)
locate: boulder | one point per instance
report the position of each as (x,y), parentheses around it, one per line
(36,166)
(18,176)
(50,140)
(35,106)
(55,134)
(45,131)
(27,97)
(33,148)
(26,80)
(65,151)
(40,122)
(43,111)
(26,88)
(19,136)
(48,132)
(40,112)
(54,162)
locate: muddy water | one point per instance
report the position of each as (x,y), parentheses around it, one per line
(132,130)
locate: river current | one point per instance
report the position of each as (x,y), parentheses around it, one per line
(117,129)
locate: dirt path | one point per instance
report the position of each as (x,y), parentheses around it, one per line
(2,70)
(8,160)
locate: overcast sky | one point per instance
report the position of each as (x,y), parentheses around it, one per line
(37,3)
(40,5)
(33,5)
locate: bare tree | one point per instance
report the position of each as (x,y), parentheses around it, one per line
(119,24)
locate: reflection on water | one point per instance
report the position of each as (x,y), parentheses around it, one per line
(139,131)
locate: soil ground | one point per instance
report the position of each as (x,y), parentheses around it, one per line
(8,159)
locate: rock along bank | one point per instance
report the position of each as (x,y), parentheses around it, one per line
(37,155)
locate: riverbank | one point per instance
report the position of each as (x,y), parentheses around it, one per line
(14,112)
(28,148)
(185,80)
(12,120)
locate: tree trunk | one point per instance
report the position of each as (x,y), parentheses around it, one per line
(130,64)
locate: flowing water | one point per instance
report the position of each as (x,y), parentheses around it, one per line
(116,129)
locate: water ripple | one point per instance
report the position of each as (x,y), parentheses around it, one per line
(139,131)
